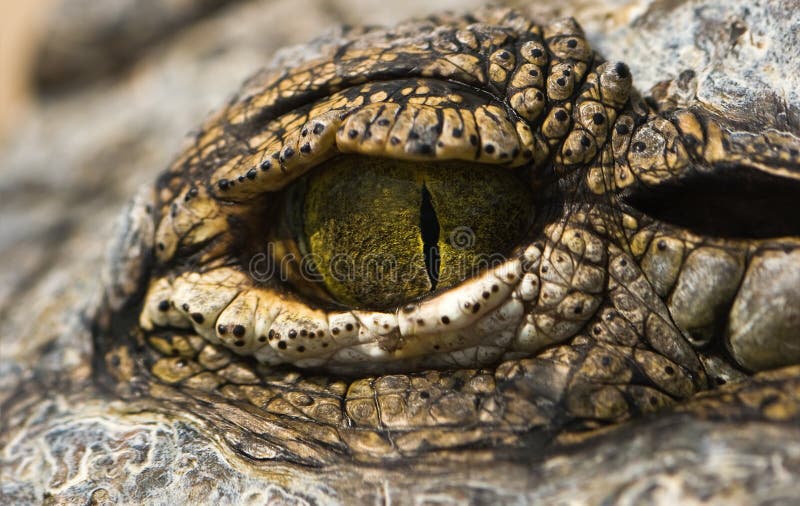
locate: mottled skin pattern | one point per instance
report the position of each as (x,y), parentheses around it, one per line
(604,313)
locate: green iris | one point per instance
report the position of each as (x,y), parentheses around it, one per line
(384,232)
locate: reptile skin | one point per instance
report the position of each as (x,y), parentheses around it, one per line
(616,304)
(601,314)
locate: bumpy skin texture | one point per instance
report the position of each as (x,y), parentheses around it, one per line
(603,314)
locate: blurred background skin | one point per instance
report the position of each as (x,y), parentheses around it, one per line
(21,27)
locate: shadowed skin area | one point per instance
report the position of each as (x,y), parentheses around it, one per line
(612,304)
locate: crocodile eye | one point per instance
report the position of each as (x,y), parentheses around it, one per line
(382,232)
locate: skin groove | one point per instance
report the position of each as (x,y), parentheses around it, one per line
(601,314)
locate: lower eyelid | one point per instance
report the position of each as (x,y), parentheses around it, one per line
(274,328)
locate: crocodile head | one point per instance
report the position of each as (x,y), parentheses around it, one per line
(549,254)
(642,250)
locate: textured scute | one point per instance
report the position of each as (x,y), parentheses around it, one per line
(218,430)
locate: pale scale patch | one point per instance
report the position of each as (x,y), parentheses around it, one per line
(159,309)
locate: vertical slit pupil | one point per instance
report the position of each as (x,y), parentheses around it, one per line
(429,227)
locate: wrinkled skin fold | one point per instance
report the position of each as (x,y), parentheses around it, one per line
(613,310)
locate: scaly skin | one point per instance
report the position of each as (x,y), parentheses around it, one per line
(605,312)
(602,313)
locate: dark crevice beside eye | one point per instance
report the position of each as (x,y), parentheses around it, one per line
(429,226)
(733,202)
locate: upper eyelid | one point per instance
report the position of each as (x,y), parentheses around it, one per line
(223,167)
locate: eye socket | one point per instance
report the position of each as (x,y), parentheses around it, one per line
(383,232)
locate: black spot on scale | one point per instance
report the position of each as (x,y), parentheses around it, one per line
(425,149)
(303,333)
(185,306)
(572,43)
(537,53)
(282,345)
(318,128)
(586,141)
(533,73)
(561,115)
(161,246)
(561,81)
(305,148)
(445,320)
(265,165)
(473,139)
(292,334)
(223,184)
(238,343)
(301,349)
(598,118)
(384,122)
(335,331)
(251,174)
(476,307)
(352,133)
(262,339)
(457,132)
(349,327)
(504,55)
(622,129)
(241,179)
(238,330)
(163,306)
(622,70)
(288,153)
(567,152)
(413,135)
(222,329)
(638,147)
(489,148)
(394,141)
(661,245)
(198,318)
(691,141)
